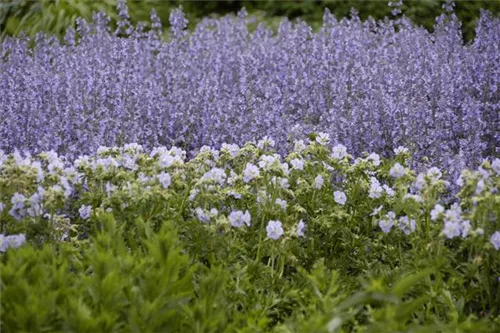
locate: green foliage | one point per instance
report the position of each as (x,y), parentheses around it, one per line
(54,16)
(47,15)
(100,286)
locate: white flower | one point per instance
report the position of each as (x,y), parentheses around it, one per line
(339,152)
(328,166)
(495,165)
(299,146)
(283,182)
(233,149)
(451,229)
(265,142)
(339,197)
(465,228)
(238,218)
(166,160)
(205,149)
(35,202)
(436,212)
(267,161)
(68,189)
(479,186)
(285,168)
(400,150)
(274,230)
(178,153)
(387,222)
(390,192)
(103,150)
(420,181)
(415,197)
(480,231)
(454,213)
(106,163)
(205,216)
(129,162)
(164,179)
(301,229)
(251,171)
(374,158)
(20,161)
(85,212)
(376,210)
(235,194)
(495,240)
(202,216)
(376,190)
(484,173)
(39,171)
(142,178)
(109,188)
(133,147)
(406,225)
(318,182)
(193,193)
(81,161)
(55,165)
(323,138)
(216,175)
(18,200)
(233,177)
(397,171)
(3,158)
(434,174)
(35,210)
(214,212)
(2,207)
(281,203)
(297,164)
(211,151)
(263,197)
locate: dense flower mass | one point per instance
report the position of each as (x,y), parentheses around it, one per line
(363,155)
(252,204)
(370,86)
(240,184)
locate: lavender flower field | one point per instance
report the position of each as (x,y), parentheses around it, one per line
(240,179)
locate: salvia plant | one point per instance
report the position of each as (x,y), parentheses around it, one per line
(244,239)
(371,86)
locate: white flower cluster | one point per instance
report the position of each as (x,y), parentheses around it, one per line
(404,223)
(256,175)
(204,215)
(237,218)
(251,172)
(215,175)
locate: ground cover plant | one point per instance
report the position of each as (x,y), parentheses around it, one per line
(345,180)
(243,239)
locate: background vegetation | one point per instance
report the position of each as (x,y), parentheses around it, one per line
(55,15)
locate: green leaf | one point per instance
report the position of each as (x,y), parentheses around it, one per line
(403,285)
